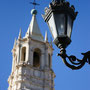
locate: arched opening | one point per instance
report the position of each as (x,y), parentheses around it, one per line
(36,58)
(49,60)
(23,54)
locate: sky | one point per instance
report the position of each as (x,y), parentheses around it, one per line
(15,14)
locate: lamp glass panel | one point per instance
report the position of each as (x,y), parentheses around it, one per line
(51,24)
(60,23)
(69,26)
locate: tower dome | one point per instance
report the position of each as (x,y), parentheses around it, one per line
(34,12)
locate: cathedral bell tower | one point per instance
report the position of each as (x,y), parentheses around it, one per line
(32,60)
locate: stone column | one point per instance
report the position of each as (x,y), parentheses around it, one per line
(46,57)
(28,51)
(51,60)
(13,63)
(19,53)
(42,60)
(31,56)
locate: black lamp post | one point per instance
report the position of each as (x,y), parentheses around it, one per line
(60,17)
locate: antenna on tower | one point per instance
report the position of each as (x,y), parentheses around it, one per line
(34,3)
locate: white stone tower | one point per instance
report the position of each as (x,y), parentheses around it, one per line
(32,61)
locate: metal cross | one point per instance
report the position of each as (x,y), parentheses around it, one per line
(58,0)
(34,3)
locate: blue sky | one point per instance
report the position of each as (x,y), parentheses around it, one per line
(15,14)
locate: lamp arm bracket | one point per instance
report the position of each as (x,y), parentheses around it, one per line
(73,62)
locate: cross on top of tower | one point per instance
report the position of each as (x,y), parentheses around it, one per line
(34,3)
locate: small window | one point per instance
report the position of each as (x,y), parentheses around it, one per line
(36,58)
(23,54)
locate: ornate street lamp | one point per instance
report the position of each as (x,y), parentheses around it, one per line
(60,17)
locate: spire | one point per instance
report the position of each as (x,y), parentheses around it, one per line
(29,33)
(46,37)
(19,37)
(34,28)
(15,42)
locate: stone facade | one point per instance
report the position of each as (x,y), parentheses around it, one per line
(32,62)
